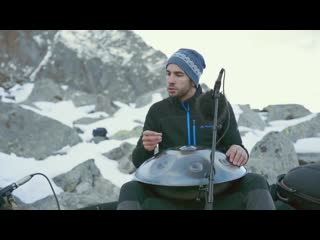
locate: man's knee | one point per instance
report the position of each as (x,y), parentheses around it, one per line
(134,191)
(129,205)
(131,184)
(257,191)
(260,199)
(132,187)
(255,181)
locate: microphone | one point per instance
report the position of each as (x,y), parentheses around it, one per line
(205,104)
(8,189)
(217,85)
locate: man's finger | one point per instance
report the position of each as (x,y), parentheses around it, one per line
(149,147)
(237,158)
(230,154)
(151,133)
(150,143)
(152,139)
(243,159)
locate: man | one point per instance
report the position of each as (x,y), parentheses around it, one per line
(176,121)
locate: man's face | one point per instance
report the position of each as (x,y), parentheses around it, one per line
(178,83)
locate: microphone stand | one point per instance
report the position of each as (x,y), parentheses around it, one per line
(210,187)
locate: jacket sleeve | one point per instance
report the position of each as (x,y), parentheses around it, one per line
(140,154)
(229,132)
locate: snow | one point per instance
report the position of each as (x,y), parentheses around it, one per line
(80,41)
(64,87)
(127,117)
(308,145)
(121,53)
(237,111)
(12,66)
(45,59)
(148,53)
(57,111)
(38,188)
(38,39)
(19,92)
(85,44)
(90,44)
(254,135)
(13,168)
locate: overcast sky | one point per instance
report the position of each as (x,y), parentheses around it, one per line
(262,66)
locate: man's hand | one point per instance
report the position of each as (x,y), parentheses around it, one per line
(237,155)
(150,139)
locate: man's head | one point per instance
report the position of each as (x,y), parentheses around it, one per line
(190,61)
(184,69)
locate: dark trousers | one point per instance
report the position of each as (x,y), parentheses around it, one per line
(103,206)
(249,192)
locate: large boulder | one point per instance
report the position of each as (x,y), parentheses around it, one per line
(146,98)
(273,155)
(28,134)
(45,90)
(69,201)
(123,154)
(307,129)
(285,112)
(83,186)
(250,119)
(50,91)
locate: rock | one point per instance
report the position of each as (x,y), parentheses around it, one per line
(71,201)
(273,155)
(120,65)
(32,135)
(125,134)
(123,155)
(83,186)
(285,112)
(87,120)
(307,129)
(21,51)
(250,119)
(45,90)
(98,139)
(305,158)
(146,98)
(204,87)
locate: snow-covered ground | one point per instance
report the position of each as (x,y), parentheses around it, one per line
(13,168)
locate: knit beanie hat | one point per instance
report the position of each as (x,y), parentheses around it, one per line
(190,61)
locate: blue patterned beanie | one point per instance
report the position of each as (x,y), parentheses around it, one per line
(190,61)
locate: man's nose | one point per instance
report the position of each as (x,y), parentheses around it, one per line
(170,80)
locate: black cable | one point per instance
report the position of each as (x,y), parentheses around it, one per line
(55,196)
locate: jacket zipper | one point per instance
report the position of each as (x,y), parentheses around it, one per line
(194,133)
